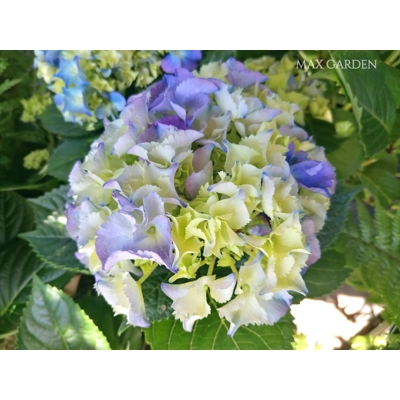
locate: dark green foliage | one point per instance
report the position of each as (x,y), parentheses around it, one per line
(211,334)
(372,248)
(52,321)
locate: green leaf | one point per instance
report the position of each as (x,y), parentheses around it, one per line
(10,320)
(323,133)
(392,80)
(42,186)
(16,216)
(347,158)
(102,315)
(215,55)
(211,334)
(53,121)
(64,157)
(51,203)
(327,274)
(52,321)
(337,213)
(53,245)
(156,302)
(18,264)
(243,55)
(381,183)
(373,250)
(8,84)
(374,109)
(26,136)
(53,276)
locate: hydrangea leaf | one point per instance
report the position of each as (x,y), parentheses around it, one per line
(323,133)
(51,203)
(374,110)
(18,263)
(327,274)
(348,157)
(392,80)
(156,302)
(53,121)
(52,321)
(102,315)
(337,212)
(53,245)
(64,157)
(16,216)
(211,334)
(381,183)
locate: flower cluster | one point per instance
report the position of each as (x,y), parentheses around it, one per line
(205,175)
(89,85)
(292,84)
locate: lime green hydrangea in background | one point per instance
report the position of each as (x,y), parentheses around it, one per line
(292,85)
(35,106)
(89,85)
(36,159)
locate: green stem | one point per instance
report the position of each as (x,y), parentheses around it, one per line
(145,276)
(211,267)
(234,270)
(4,335)
(395,64)
(392,57)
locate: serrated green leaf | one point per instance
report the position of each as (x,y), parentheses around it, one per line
(374,109)
(53,276)
(10,320)
(53,121)
(373,250)
(102,315)
(156,302)
(381,183)
(65,156)
(16,216)
(337,213)
(52,321)
(323,133)
(348,157)
(18,263)
(8,84)
(211,334)
(53,245)
(392,80)
(327,274)
(51,203)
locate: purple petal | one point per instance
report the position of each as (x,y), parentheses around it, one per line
(197,179)
(316,176)
(245,79)
(202,156)
(114,235)
(170,63)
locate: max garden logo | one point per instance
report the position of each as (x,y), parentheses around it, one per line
(332,64)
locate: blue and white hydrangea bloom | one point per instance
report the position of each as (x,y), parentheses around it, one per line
(205,175)
(89,85)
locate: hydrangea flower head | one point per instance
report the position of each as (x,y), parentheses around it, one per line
(89,85)
(205,176)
